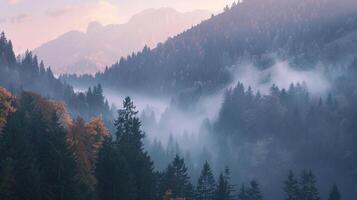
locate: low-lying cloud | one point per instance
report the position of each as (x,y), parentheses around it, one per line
(282,75)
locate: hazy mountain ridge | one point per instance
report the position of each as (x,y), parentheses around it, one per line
(103,45)
(255,31)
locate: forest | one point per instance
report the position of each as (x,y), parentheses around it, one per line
(304,32)
(27,73)
(51,156)
(258,102)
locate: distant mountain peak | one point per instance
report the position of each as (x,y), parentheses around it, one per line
(99,46)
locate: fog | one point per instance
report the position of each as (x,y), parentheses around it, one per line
(185,124)
(163,116)
(282,75)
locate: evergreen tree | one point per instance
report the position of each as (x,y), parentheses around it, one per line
(60,165)
(19,172)
(114,179)
(222,191)
(176,180)
(206,184)
(334,193)
(130,144)
(37,159)
(308,187)
(291,187)
(254,192)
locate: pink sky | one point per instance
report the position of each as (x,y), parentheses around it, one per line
(30,23)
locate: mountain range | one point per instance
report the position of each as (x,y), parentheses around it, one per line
(304,33)
(100,45)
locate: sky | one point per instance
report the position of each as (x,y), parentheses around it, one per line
(30,23)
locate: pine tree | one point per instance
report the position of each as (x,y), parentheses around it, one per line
(254,192)
(334,193)
(222,192)
(206,184)
(308,187)
(19,172)
(176,179)
(130,144)
(39,161)
(62,171)
(291,187)
(114,179)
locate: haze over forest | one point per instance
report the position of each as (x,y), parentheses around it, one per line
(256,102)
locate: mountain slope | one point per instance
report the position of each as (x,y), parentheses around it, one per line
(77,52)
(28,74)
(299,31)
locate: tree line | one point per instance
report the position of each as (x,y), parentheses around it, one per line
(44,154)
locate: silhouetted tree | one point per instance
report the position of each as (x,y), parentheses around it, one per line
(206,184)
(334,193)
(291,188)
(308,190)
(176,179)
(254,192)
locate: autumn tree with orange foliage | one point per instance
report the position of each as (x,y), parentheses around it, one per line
(6,107)
(86,139)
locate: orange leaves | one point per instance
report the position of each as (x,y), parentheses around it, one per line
(6,107)
(86,139)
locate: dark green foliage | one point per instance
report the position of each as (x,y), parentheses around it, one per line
(37,162)
(130,144)
(176,179)
(334,193)
(127,158)
(114,178)
(291,188)
(206,184)
(7,55)
(313,131)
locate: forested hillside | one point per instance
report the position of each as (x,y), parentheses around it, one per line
(258,102)
(47,155)
(27,73)
(257,31)
(261,133)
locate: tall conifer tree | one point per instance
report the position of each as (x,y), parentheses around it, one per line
(206,184)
